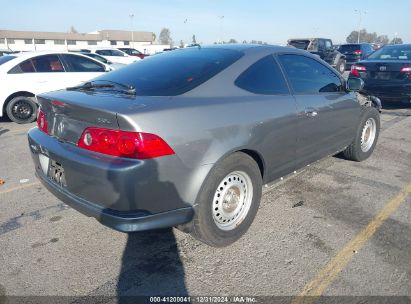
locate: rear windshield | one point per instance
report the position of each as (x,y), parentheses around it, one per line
(299,44)
(175,72)
(4,59)
(392,52)
(349,48)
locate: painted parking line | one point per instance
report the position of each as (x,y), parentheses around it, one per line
(24,186)
(314,289)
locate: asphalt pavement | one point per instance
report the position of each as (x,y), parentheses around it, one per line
(338,228)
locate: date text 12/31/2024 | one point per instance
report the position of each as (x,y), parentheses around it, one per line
(203,299)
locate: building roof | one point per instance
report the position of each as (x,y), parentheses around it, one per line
(100,35)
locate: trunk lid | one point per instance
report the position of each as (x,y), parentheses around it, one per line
(383,70)
(69,113)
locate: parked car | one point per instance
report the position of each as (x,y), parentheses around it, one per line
(115,55)
(95,56)
(24,75)
(355,52)
(189,137)
(133,52)
(387,73)
(323,48)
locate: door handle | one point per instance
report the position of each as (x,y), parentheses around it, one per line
(311,113)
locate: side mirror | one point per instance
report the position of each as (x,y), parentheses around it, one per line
(107,69)
(355,84)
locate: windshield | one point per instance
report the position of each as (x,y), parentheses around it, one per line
(392,52)
(173,73)
(4,59)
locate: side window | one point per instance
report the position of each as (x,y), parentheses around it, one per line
(308,76)
(263,77)
(47,63)
(321,44)
(82,64)
(328,45)
(24,67)
(103,52)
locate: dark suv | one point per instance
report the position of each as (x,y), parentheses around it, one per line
(355,52)
(323,48)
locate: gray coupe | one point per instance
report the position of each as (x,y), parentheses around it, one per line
(187,138)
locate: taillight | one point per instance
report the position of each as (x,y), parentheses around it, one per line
(358,52)
(124,144)
(42,121)
(406,69)
(355,69)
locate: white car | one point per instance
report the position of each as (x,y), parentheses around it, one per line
(24,75)
(115,55)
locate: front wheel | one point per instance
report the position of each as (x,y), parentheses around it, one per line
(366,136)
(228,201)
(22,109)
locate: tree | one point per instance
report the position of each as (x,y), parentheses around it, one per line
(194,39)
(232,40)
(165,36)
(382,39)
(364,37)
(73,30)
(397,40)
(181,44)
(245,41)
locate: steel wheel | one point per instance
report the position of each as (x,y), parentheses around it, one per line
(368,134)
(232,200)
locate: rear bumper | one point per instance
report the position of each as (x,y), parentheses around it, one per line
(389,92)
(124,194)
(124,221)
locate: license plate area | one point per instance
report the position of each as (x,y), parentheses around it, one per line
(56,173)
(383,75)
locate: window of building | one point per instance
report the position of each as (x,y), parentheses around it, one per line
(263,77)
(39,41)
(113,42)
(59,42)
(92,42)
(309,76)
(126,42)
(71,42)
(28,41)
(10,41)
(2,41)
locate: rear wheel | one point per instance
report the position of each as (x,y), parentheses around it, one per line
(22,109)
(366,137)
(340,67)
(228,201)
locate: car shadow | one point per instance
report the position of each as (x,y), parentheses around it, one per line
(150,264)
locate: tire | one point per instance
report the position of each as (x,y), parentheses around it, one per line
(220,224)
(364,143)
(340,67)
(22,109)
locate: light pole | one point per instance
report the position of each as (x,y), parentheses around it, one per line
(132,30)
(360,13)
(221,28)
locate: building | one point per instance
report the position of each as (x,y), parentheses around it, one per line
(58,41)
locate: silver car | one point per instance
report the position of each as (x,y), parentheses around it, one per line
(187,138)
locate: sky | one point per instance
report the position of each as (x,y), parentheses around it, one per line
(214,20)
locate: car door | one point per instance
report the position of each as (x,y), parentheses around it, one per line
(38,74)
(81,69)
(275,133)
(328,114)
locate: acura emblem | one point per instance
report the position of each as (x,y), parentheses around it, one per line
(383,68)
